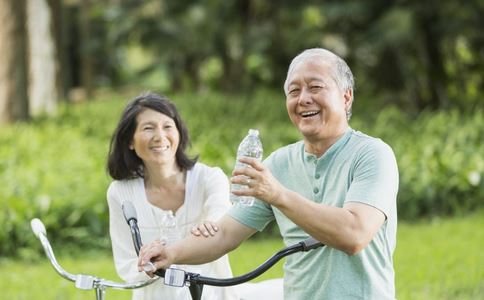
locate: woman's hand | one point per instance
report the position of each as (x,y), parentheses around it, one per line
(206,229)
(259,180)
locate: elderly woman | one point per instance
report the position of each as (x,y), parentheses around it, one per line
(171,192)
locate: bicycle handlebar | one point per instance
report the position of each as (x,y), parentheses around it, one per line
(305,245)
(173,277)
(82,281)
(177,277)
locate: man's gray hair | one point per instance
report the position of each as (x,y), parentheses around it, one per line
(341,72)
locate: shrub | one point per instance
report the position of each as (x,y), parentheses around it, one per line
(440,157)
(55,168)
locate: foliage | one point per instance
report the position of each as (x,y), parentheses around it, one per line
(434,259)
(55,168)
(418,54)
(440,156)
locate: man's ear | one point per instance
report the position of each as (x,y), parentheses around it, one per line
(348,95)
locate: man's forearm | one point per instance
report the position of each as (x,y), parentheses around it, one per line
(200,249)
(349,228)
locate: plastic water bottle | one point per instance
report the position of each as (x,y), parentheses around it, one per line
(169,230)
(250,146)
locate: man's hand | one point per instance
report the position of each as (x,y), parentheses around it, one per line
(259,180)
(156,253)
(195,250)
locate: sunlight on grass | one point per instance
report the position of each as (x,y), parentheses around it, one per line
(441,259)
(252,253)
(19,280)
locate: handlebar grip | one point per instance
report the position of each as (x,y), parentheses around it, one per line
(311,243)
(37,227)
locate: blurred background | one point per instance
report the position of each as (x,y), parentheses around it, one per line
(68,67)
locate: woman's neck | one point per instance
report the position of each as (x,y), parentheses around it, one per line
(163,177)
(165,187)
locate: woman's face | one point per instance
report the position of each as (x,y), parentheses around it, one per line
(155,139)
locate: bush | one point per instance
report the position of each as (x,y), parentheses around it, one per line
(55,168)
(440,157)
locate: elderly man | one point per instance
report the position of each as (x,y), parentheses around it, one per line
(337,185)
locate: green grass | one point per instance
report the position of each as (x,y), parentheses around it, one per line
(438,259)
(442,259)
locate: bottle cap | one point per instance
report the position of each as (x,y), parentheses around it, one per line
(253,132)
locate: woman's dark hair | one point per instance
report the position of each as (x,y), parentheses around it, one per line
(123,163)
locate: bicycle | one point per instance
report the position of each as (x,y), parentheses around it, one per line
(172,277)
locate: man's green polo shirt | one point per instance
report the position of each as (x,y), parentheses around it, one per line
(357,168)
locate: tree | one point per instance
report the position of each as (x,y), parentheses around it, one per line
(13,62)
(43,58)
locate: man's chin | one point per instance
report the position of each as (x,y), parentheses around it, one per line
(309,133)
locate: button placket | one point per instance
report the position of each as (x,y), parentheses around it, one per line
(317,177)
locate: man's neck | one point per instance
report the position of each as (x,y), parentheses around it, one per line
(319,146)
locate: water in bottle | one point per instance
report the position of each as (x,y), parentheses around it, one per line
(169,229)
(250,146)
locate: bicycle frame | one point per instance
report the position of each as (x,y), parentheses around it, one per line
(82,281)
(194,281)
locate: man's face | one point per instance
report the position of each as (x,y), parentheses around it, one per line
(315,103)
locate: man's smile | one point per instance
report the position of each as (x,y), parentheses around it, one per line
(309,113)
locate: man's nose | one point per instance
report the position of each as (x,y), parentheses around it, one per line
(305,97)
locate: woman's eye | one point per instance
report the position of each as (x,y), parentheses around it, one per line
(293,91)
(147,128)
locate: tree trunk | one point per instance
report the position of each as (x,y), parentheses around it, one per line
(13,62)
(57,27)
(86,49)
(433,93)
(43,87)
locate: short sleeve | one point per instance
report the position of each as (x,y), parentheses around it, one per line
(375,177)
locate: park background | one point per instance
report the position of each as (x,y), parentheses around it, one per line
(68,67)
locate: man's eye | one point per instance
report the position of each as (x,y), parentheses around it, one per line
(293,91)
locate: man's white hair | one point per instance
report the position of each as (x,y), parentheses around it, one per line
(341,72)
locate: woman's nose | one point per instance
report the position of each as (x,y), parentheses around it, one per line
(158,134)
